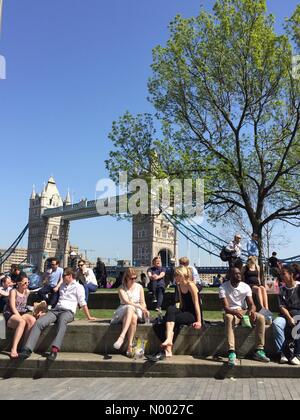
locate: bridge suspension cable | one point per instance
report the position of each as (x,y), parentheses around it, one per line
(199,236)
(4,257)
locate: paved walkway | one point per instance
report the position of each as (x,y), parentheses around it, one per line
(151,389)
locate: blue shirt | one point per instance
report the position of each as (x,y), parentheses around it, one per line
(55,277)
(158,271)
(252,248)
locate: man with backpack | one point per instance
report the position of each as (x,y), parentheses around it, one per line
(232,252)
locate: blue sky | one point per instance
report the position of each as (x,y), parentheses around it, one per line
(74,66)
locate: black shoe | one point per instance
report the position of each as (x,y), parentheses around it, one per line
(25,354)
(51,357)
(156,357)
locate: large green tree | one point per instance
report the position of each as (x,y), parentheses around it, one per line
(227,109)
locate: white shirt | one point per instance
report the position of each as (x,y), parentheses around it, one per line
(5,292)
(236,247)
(195,273)
(70,296)
(88,277)
(133,295)
(236,296)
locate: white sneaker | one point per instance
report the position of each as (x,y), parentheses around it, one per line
(283,360)
(295,361)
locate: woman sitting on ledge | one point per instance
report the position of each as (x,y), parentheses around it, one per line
(189,313)
(132,309)
(16,314)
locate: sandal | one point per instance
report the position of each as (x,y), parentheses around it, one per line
(14,357)
(156,357)
(130,354)
(119,343)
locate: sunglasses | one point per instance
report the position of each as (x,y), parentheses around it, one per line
(133,278)
(80,265)
(26,283)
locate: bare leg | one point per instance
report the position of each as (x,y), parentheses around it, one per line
(258,292)
(126,325)
(18,324)
(30,321)
(168,351)
(132,331)
(170,334)
(264,297)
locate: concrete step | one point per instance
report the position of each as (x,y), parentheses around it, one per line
(77,365)
(211,301)
(99,337)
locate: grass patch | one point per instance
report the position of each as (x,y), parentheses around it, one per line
(108,314)
(170,290)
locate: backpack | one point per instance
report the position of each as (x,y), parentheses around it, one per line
(226,255)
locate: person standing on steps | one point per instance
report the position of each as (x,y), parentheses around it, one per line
(252,246)
(101,273)
(234,249)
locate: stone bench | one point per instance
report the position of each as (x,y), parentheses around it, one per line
(98,338)
(211,301)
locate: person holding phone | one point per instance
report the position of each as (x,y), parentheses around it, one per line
(87,278)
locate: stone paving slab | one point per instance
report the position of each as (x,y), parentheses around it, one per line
(135,389)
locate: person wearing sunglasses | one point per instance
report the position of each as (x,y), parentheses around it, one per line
(54,279)
(16,314)
(87,278)
(71,295)
(132,310)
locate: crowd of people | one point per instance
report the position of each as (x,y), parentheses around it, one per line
(66,290)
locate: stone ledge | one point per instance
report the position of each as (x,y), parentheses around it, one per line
(211,301)
(98,337)
(94,366)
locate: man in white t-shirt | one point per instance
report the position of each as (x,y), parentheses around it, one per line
(236,297)
(186,263)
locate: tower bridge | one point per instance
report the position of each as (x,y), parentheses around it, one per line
(49,227)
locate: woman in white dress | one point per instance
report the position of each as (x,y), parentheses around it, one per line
(132,309)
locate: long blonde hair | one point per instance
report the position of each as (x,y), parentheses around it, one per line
(130,272)
(184,272)
(252,261)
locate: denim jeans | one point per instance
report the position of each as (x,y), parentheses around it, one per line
(158,289)
(280,335)
(46,293)
(89,288)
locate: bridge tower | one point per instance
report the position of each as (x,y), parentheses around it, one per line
(153,235)
(48,237)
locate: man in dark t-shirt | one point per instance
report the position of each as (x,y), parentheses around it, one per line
(274,265)
(286,323)
(157,285)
